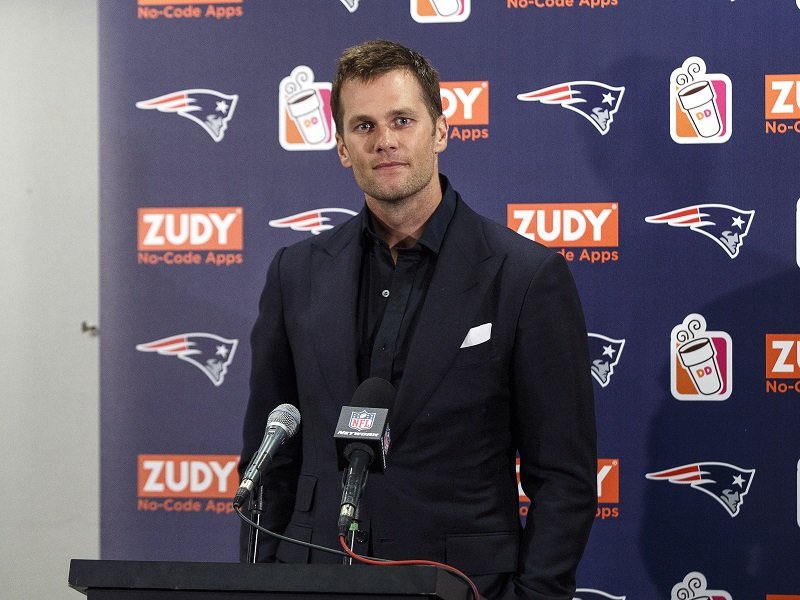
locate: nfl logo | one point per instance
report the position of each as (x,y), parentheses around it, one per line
(362,420)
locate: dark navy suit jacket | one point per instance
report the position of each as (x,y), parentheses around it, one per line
(461,414)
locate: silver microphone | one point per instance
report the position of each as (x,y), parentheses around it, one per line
(282,424)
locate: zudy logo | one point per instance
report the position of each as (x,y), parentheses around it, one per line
(305,119)
(607,489)
(700,104)
(782,362)
(701,361)
(466,106)
(186,475)
(782,103)
(570,225)
(175,236)
(186,483)
(193,228)
(608,480)
(440,11)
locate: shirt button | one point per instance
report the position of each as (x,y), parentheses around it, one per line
(385,293)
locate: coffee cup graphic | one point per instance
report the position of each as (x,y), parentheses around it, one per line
(446,8)
(699,101)
(698,357)
(305,108)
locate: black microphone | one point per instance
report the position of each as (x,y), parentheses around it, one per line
(282,424)
(362,441)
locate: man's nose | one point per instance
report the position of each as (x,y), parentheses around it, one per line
(386,138)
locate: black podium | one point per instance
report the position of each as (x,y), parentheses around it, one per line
(144,580)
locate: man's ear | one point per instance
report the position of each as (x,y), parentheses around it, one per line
(440,133)
(341,150)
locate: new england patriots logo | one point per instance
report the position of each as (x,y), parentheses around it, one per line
(593,100)
(724,224)
(315,221)
(726,483)
(210,353)
(604,353)
(589,594)
(210,109)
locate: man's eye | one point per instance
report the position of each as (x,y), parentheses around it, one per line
(403,120)
(363,127)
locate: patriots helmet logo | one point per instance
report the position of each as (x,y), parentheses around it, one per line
(210,109)
(590,594)
(593,100)
(351,5)
(604,353)
(726,483)
(210,353)
(726,225)
(315,221)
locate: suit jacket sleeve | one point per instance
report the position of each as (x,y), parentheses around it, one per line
(554,427)
(272,382)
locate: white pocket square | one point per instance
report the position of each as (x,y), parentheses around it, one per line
(477,335)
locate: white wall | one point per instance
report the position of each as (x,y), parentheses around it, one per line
(49,489)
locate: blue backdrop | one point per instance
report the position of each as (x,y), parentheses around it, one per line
(653,142)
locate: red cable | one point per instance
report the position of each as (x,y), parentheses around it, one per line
(430,563)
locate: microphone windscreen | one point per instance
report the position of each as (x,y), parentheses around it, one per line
(375,393)
(286,415)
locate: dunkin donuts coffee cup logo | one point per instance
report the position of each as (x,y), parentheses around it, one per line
(700,104)
(700,362)
(440,11)
(305,119)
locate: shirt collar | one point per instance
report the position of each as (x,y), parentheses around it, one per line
(435,228)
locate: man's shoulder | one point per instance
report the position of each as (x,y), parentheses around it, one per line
(499,238)
(331,240)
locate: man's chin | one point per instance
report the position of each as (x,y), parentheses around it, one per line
(389,195)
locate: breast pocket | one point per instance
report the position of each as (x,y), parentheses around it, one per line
(478,346)
(481,353)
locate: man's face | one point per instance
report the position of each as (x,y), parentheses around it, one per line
(388,137)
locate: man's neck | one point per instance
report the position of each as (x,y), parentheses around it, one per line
(401,224)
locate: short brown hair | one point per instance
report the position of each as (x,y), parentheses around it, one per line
(366,61)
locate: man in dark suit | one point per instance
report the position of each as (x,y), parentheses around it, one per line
(480,331)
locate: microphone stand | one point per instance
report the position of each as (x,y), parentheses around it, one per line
(351,538)
(257,506)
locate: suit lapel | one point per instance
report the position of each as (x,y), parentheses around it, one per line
(335,267)
(465,269)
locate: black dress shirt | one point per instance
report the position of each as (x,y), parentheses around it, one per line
(392,294)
